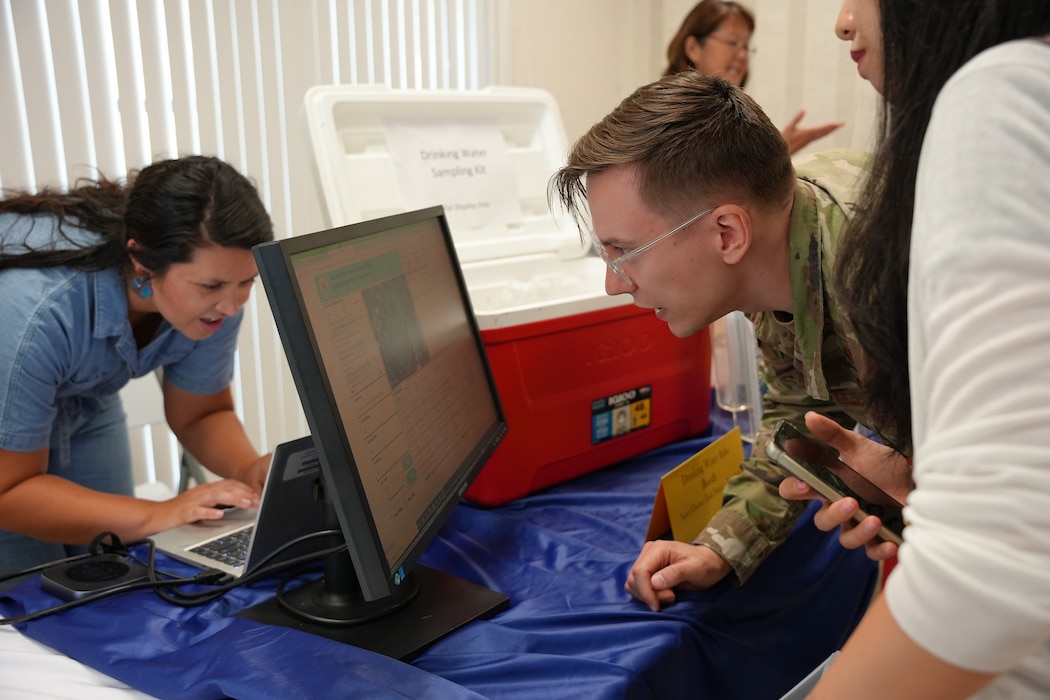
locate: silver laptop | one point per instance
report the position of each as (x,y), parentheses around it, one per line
(244,537)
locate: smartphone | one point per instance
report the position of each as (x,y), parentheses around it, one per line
(818,464)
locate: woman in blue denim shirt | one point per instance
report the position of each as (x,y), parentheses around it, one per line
(99,285)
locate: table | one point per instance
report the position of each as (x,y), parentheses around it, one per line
(571,632)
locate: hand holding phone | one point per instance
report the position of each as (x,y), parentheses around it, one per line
(819,466)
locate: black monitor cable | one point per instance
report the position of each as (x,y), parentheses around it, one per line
(99,546)
(167,586)
(183,598)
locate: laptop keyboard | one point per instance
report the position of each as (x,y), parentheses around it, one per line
(231,549)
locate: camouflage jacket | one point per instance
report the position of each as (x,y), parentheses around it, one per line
(807,361)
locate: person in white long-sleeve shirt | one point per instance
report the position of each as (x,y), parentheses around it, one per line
(960,329)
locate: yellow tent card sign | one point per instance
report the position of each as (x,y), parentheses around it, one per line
(691,493)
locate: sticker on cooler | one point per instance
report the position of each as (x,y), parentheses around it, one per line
(621,414)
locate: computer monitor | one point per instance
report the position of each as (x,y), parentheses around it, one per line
(389,364)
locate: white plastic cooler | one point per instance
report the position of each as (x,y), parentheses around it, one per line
(585,379)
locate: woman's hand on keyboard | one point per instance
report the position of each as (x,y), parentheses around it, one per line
(203,502)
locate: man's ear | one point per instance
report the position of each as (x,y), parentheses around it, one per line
(734,231)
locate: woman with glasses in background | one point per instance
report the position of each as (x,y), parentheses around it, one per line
(715,38)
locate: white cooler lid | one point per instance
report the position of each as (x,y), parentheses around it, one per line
(348,128)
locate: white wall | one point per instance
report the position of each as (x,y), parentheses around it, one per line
(801,64)
(590,54)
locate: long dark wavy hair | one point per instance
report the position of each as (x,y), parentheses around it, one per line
(170,208)
(701,22)
(924,43)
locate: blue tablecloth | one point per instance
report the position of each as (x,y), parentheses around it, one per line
(571,631)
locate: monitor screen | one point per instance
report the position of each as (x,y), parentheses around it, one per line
(389,364)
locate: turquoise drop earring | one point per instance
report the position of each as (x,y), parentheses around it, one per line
(142,286)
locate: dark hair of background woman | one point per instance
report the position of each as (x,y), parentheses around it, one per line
(873,262)
(171,208)
(702,21)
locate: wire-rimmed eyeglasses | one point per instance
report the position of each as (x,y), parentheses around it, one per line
(616,263)
(734,44)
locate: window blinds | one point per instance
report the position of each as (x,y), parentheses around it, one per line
(106,86)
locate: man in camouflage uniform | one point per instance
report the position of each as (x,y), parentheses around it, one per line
(758,237)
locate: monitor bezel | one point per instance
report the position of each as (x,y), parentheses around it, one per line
(375,576)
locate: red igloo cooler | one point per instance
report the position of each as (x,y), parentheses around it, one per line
(586,380)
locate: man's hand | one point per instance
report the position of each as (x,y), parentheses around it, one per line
(665,565)
(880,464)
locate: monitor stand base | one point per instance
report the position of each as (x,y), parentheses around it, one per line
(443,604)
